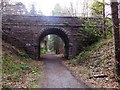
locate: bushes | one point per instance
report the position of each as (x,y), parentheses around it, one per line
(92,30)
(43,51)
(89,38)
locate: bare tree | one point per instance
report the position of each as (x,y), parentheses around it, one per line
(85,8)
(3,4)
(33,10)
(72,10)
(58,10)
(17,8)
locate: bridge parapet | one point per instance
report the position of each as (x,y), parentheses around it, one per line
(43,20)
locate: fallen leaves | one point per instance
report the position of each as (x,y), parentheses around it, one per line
(98,69)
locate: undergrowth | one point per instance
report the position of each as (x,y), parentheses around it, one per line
(43,51)
(14,63)
(16,67)
(86,54)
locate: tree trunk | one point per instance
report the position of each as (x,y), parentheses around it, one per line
(104,29)
(115,19)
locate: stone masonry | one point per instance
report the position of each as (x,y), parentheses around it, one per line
(26,32)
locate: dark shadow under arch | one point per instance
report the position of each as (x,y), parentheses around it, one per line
(59,33)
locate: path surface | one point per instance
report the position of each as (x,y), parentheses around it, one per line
(57,76)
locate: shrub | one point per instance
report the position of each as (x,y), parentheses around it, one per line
(43,51)
(93,32)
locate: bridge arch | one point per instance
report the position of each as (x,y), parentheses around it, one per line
(60,33)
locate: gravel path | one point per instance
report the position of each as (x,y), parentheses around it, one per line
(57,76)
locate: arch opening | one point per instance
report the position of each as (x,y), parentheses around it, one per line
(58,32)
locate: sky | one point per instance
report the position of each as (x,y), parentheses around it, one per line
(46,6)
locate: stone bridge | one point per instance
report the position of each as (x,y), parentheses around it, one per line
(26,32)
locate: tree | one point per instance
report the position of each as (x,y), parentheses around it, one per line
(85,9)
(55,44)
(66,11)
(97,9)
(20,8)
(39,12)
(57,11)
(50,43)
(115,19)
(3,4)
(71,10)
(33,10)
(15,9)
